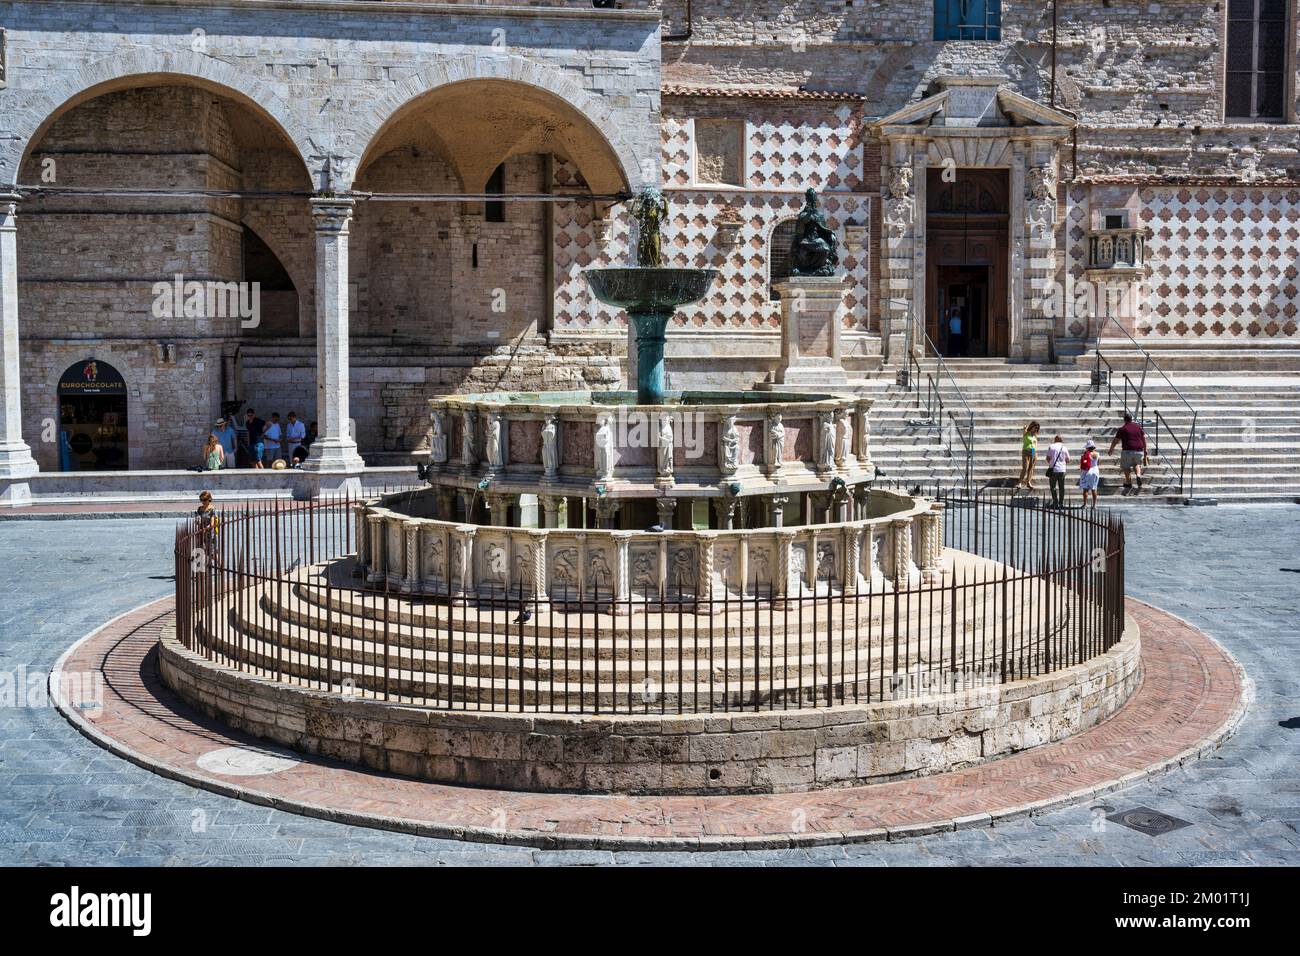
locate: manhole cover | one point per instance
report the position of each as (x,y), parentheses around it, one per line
(1148,821)
(245,762)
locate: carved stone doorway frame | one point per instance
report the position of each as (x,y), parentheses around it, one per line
(973,122)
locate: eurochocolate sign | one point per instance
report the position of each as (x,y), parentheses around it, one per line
(92,377)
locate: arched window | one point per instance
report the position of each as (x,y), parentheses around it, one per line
(778,255)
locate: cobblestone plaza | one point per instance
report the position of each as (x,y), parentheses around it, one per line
(71,802)
(585,433)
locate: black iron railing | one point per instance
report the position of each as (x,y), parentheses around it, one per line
(1134,397)
(1025,590)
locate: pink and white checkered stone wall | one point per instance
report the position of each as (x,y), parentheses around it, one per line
(788,149)
(1225,262)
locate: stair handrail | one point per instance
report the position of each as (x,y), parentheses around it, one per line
(1186,452)
(934,398)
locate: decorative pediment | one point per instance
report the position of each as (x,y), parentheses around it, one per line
(921,113)
(975,103)
(1026,112)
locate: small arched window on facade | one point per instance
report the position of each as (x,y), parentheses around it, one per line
(778,255)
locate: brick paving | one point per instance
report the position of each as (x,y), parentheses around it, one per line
(1189,699)
(66,800)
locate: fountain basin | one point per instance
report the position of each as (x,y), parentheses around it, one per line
(658,290)
(650,295)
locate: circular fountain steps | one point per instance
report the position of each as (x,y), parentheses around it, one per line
(1191,696)
(486,661)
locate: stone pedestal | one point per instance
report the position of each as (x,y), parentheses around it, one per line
(810,331)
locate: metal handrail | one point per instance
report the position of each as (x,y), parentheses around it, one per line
(1186,452)
(934,397)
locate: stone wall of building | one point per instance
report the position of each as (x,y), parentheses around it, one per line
(443,300)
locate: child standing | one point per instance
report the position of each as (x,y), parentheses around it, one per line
(1089,472)
(1028,456)
(1058,456)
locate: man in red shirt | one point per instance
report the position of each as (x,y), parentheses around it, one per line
(1133,451)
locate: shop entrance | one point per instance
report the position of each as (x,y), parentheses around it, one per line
(92,418)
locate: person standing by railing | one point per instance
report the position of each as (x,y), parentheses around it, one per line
(1058,456)
(1133,452)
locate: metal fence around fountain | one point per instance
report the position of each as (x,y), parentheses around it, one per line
(1044,592)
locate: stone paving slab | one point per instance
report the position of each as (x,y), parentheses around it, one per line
(1192,695)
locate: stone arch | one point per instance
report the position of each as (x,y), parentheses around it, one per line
(296,262)
(145,67)
(769,238)
(510,68)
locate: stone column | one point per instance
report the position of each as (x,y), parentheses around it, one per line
(704,585)
(411,562)
(781,580)
(667,508)
(335,451)
(16,459)
(462,556)
(622,576)
(900,212)
(377,552)
(776,509)
(861,499)
(931,543)
(1039,259)
(499,506)
(904,568)
(535,590)
(605,512)
(852,559)
(467,503)
(725,510)
(363,536)
(551,506)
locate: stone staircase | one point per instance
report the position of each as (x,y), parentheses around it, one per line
(1247,434)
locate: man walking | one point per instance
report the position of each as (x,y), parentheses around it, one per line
(1058,456)
(1133,452)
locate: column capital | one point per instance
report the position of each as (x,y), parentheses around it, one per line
(332,214)
(8,207)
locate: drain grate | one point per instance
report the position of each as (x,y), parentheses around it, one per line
(1148,821)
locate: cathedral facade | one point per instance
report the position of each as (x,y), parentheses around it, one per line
(347,207)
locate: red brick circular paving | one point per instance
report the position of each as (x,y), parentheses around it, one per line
(1191,697)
